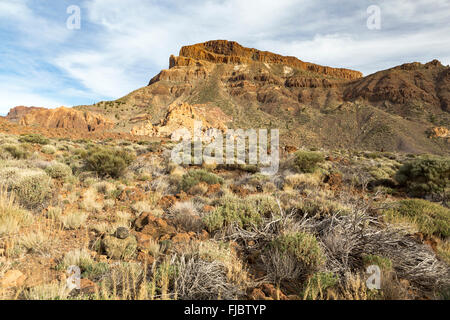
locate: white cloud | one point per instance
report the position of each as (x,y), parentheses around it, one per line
(122,44)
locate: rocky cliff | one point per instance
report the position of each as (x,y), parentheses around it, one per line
(230,52)
(61,118)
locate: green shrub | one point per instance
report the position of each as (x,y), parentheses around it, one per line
(34,138)
(17,152)
(430,218)
(107,161)
(194,177)
(48,149)
(58,170)
(306,162)
(246,212)
(317,285)
(32,187)
(302,246)
(425,176)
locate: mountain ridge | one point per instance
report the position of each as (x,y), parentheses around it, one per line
(313,106)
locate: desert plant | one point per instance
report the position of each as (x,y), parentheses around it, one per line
(246,212)
(16,151)
(317,285)
(306,162)
(48,149)
(32,187)
(194,177)
(425,176)
(107,161)
(34,138)
(430,218)
(58,170)
(12,217)
(73,220)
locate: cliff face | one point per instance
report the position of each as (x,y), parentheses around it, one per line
(16,113)
(63,118)
(230,52)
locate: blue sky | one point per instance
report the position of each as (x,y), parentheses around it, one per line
(122,44)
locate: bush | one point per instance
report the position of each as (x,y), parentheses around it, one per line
(58,170)
(34,138)
(48,149)
(108,162)
(17,152)
(303,246)
(317,285)
(194,177)
(430,218)
(425,176)
(246,212)
(293,256)
(306,162)
(32,187)
(12,217)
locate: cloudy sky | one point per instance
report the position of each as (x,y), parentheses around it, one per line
(122,44)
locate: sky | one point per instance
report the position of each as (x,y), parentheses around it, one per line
(120,45)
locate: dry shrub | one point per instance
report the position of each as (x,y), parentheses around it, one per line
(210,271)
(73,220)
(186,215)
(12,217)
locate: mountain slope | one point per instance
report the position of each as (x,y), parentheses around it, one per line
(312,105)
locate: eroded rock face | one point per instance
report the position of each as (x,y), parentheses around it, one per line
(440,132)
(230,52)
(184,115)
(65,118)
(15,114)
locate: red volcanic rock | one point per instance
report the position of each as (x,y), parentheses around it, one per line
(65,118)
(15,114)
(230,52)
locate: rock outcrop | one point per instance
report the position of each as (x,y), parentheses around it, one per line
(65,118)
(17,113)
(230,52)
(184,115)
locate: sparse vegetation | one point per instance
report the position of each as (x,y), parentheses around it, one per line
(108,162)
(425,176)
(306,162)
(149,229)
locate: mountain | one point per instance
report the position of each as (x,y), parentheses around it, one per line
(312,105)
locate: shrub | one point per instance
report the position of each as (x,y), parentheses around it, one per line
(318,284)
(17,152)
(425,176)
(306,162)
(12,217)
(58,170)
(303,246)
(32,187)
(48,149)
(34,138)
(51,291)
(210,270)
(108,162)
(194,177)
(293,256)
(246,212)
(430,218)
(73,220)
